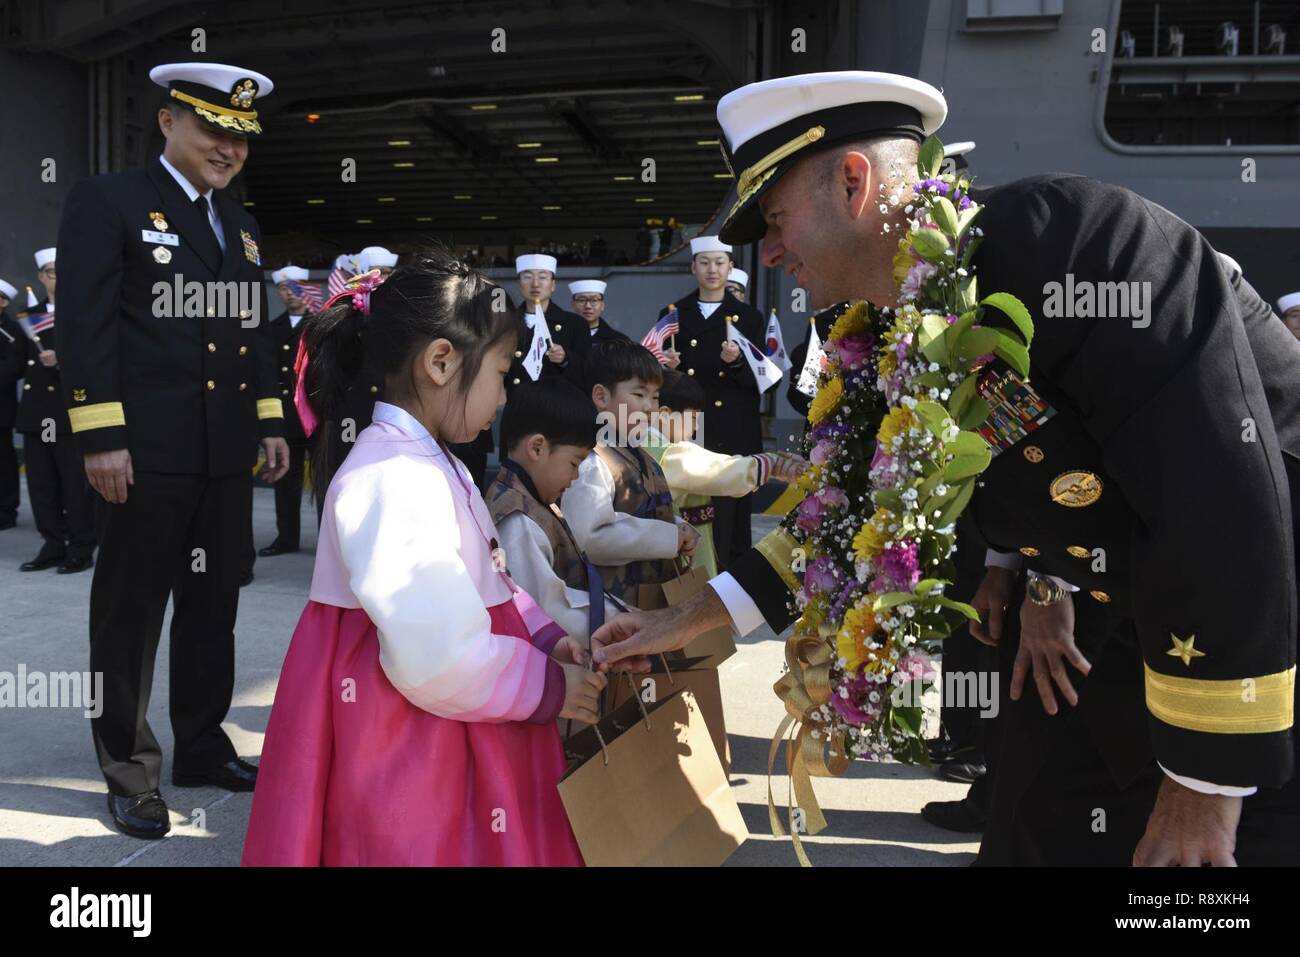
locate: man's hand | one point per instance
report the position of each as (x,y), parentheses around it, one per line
(1187,829)
(991,600)
(730,352)
(629,638)
(556,354)
(109,473)
(48,358)
(277,459)
(1046,644)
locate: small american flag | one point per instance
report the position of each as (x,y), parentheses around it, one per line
(658,335)
(308,292)
(339,276)
(34,323)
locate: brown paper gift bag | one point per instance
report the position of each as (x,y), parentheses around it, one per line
(646,789)
(682,674)
(714,646)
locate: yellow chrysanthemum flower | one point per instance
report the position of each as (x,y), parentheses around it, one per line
(854,320)
(872,536)
(896,423)
(902,263)
(826,401)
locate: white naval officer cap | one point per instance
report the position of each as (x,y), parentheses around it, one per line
(957,153)
(1288,302)
(535,261)
(46,256)
(296,273)
(375,257)
(769,126)
(8,291)
(739,276)
(218,92)
(708,244)
(586,285)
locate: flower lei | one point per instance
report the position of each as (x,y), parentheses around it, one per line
(894,463)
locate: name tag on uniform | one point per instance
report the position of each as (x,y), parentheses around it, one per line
(165,239)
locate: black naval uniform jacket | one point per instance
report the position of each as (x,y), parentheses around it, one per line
(42,395)
(731,423)
(1189,430)
(569,331)
(604,332)
(285,336)
(13,366)
(186,395)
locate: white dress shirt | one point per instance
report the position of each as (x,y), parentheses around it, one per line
(192,194)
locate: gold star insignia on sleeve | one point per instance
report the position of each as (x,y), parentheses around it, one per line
(1184,649)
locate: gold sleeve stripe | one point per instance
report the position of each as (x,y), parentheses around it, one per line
(269,409)
(777,547)
(101,415)
(1224,706)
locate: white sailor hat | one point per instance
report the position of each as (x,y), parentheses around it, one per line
(1288,302)
(769,126)
(708,244)
(346,261)
(957,153)
(221,94)
(46,256)
(739,276)
(375,257)
(8,291)
(296,273)
(586,285)
(535,261)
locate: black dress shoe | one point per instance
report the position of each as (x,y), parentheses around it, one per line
(275,548)
(965,771)
(140,815)
(74,565)
(962,816)
(245,578)
(236,775)
(42,562)
(942,750)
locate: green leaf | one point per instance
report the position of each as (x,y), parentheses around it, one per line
(932,380)
(965,466)
(967,291)
(925,488)
(975,413)
(961,396)
(1011,352)
(908,720)
(926,585)
(1015,310)
(958,329)
(933,415)
(966,218)
(968,443)
(890,498)
(976,342)
(930,158)
(944,215)
(955,507)
(969,250)
(891,599)
(929,244)
(955,605)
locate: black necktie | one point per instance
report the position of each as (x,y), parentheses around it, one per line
(205,210)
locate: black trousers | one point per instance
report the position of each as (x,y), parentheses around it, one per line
(8,476)
(732,528)
(288,498)
(60,496)
(179,535)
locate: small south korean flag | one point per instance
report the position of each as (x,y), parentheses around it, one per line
(812,363)
(766,372)
(776,344)
(537,349)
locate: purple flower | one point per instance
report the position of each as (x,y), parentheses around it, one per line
(854,351)
(916,278)
(831,496)
(820,576)
(810,514)
(917,666)
(856,709)
(898,566)
(823,452)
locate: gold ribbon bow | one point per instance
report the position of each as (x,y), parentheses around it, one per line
(803,689)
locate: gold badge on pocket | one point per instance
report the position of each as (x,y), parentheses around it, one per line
(1076,489)
(159,222)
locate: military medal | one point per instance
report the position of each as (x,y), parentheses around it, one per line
(1015,411)
(159,222)
(1076,489)
(250,248)
(162,255)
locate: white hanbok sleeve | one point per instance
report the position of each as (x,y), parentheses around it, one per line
(611,537)
(692,468)
(399,541)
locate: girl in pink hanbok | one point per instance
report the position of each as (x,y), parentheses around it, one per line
(415,718)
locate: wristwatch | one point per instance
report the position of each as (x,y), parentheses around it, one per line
(1042,590)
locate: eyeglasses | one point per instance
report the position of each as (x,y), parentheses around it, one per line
(588,300)
(48,271)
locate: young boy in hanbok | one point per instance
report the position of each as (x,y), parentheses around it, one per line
(547,430)
(620,507)
(696,475)
(415,718)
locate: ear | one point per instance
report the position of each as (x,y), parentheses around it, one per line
(856,178)
(440,361)
(165,122)
(535,447)
(600,397)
